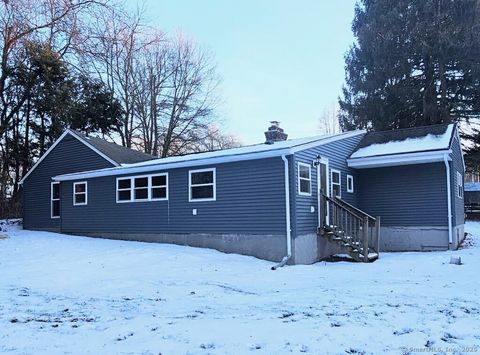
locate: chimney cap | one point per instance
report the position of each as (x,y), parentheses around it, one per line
(275,133)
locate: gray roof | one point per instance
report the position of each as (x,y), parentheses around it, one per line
(118,153)
(402,134)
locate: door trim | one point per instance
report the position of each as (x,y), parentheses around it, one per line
(327,181)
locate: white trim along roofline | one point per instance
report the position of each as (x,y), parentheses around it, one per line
(398,159)
(67,131)
(187,161)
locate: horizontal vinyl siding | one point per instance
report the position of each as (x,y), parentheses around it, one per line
(457,165)
(410,195)
(69,156)
(337,153)
(250,199)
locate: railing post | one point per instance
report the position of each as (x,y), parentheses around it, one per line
(377,228)
(365,239)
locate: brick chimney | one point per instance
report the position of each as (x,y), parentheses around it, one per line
(275,133)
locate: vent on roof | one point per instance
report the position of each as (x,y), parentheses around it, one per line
(275,133)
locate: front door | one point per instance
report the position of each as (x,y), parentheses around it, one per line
(322,188)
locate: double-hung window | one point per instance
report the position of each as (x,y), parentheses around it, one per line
(142,188)
(80,193)
(459,185)
(158,187)
(336,182)
(201,185)
(55,200)
(304,179)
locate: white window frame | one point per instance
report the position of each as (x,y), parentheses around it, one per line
(299,178)
(132,186)
(214,184)
(332,171)
(148,187)
(80,193)
(459,185)
(350,179)
(54,199)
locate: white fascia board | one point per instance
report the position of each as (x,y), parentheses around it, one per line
(175,165)
(45,155)
(123,170)
(323,141)
(398,159)
(67,131)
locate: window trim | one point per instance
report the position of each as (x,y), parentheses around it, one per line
(80,193)
(52,199)
(332,171)
(350,178)
(299,178)
(459,185)
(214,184)
(149,188)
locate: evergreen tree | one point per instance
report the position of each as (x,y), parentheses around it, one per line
(414,63)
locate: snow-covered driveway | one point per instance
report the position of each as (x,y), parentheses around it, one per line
(65,294)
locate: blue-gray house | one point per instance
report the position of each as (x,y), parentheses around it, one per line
(295,201)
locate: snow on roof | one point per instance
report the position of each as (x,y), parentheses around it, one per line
(428,141)
(472,186)
(256,151)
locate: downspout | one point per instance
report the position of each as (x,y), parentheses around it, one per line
(449,200)
(287,216)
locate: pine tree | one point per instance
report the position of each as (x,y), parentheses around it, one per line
(414,63)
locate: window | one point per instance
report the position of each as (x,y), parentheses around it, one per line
(80,193)
(459,185)
(55,200)
(304,180)
(142,188)
(202,185)
(158,187)
(336,183)
(350,183)
(124,190)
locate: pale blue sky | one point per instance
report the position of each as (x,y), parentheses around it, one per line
(279,60)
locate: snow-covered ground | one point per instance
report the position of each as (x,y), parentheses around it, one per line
(65,294)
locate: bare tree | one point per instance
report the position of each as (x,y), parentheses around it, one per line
(152,73)
(328,122)
(111,48)
(190,100)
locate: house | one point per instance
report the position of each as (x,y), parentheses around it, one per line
(472,199)
(294,201)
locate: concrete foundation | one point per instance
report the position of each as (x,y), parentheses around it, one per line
(418,238)
(310,248)
(458,235)
(268,247)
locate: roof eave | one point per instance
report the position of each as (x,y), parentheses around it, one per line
(398,159)
(174,165)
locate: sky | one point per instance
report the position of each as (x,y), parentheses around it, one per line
(278,60)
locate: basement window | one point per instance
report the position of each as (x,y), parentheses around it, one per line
(55,200)
(459,185)
(304,180)
(350,183)
(202,185)
(336,178)
(80,193)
